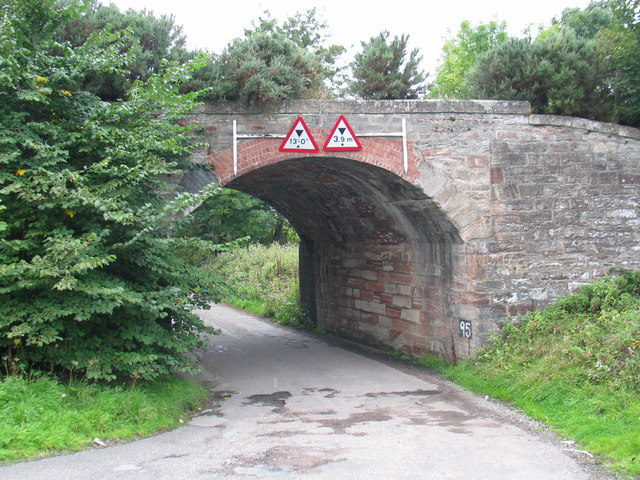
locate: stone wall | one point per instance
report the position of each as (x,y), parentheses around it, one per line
(499,212)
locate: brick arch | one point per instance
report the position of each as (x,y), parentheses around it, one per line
(384,153)
(377,253)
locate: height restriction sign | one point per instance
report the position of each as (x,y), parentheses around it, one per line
(342,137)
(299,139)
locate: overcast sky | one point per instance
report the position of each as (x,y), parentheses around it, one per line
(210,25)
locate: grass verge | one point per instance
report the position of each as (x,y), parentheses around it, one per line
(263,280)
(40,416)
(574,366)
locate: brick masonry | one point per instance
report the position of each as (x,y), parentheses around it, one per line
(500,211)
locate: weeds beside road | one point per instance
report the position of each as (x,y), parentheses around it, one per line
(42,416)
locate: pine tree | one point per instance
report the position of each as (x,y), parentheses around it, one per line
(382,70)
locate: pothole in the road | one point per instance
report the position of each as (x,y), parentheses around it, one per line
(218,395)
(296,344)
(340,426)
(276,399)
(258,470)
(282,459)
(330,392)
(215,403)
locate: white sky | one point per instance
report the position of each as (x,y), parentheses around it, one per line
(211,25)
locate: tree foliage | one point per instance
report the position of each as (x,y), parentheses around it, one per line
(586,64)
(229,215)
(149,41)
(263,68)
(620,49)
(307,31)
(382,70)
(586,23)
(276,62)
(558,73)
(88,278)
(459,56)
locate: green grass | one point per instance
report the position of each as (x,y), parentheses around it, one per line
(40,416)
(263,280)
(575,366)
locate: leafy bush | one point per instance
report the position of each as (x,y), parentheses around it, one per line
(264,280)
(230,215)
(559,73)
(88,276)
(264,68)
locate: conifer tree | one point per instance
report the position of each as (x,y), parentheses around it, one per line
(382,70)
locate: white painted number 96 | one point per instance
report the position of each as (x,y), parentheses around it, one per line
(465,329)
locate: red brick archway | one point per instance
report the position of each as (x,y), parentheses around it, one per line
(377,253)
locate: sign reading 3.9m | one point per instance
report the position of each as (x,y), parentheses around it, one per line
(342,138)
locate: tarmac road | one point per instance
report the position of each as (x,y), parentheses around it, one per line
(288,404)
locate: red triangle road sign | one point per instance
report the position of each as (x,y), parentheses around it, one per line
(299,139)
(342,138)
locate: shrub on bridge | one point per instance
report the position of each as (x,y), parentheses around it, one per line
(88,278)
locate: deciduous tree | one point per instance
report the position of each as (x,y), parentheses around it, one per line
(620,48)
(459,56)
(88,276)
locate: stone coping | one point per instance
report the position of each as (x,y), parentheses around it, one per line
(408,107)
(585,124)
(376,107)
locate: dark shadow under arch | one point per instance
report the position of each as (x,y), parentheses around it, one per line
(376,259)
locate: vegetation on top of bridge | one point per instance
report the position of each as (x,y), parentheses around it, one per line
(585,64)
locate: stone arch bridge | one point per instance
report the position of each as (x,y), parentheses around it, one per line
(453,216)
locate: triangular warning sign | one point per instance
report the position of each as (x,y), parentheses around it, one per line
(299,139)
(342,137)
